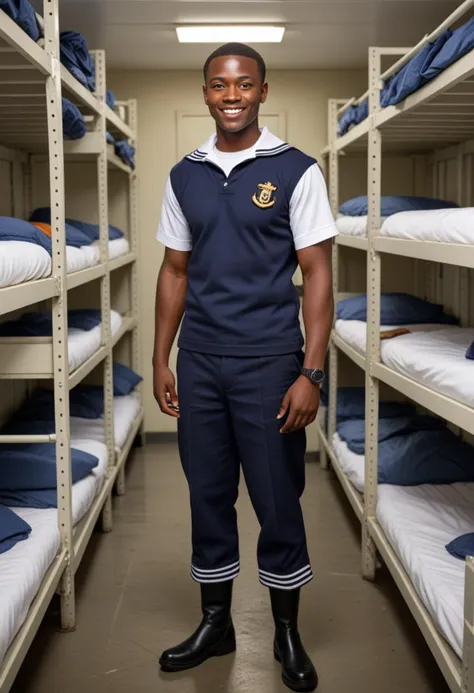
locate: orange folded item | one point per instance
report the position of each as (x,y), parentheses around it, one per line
(388,334)
(45,228)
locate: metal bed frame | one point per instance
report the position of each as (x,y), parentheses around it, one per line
(32,82)
(435,122)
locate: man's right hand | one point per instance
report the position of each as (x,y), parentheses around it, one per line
(164,385)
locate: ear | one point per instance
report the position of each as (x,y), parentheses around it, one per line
(204,93)
(264,93)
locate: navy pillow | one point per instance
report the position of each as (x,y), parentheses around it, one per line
(395,308)
(470,351)
(12,229)
(425,457)
(12,529)
(22,12)
(125,380)
(85,401)
(460,42)
(353,431)
(462,546)
(82,228)
(392,204)
(351,405)
(33,466)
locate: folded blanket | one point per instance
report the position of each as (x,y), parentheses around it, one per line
(12,229)
(33,466)
(76,58)
(90,232)
(395,308)
(413,74)
(457,44)
(125,152)
(12,529)
(462,546)
(351,404)
(352,431)
(74,125)
(425,457)
(110,99)
(22,12)
(74,237)
(392,204)
(40,324)
(30,498)
(85,402)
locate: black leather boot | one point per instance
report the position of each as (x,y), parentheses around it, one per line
(298,672)
(214,637)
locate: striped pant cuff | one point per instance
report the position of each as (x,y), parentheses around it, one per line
(229,572)
(286,582)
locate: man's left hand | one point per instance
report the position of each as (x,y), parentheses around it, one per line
(302,403)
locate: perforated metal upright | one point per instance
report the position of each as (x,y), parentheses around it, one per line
(59,309)
(103,201)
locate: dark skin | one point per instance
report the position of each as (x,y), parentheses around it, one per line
(234,82)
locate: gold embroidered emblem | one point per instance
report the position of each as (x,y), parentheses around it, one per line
(263,198)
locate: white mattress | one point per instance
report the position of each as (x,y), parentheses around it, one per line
(433,355)
(82,344)
(441,225)
(419,521)
(21,262)
(126,411)
(22,568)
(351,464)
(352,226)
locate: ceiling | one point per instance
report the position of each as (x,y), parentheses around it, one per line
(324,34)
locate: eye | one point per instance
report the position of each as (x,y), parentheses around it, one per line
(246,85)
(217,86)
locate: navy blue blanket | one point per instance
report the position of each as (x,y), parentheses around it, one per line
(393,204)
(12,529)
(126,152)
(90,232)
(352,431)
(40,324)
(74,125)
(85,402)
(462,546)
(30,498)
(12,229)
(395,309)
(75,57)
(22,12)
(423,67)
(26,466)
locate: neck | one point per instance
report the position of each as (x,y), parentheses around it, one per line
(237,141)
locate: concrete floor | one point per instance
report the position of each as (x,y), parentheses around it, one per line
(135,598)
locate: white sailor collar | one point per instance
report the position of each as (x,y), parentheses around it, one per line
(266,145)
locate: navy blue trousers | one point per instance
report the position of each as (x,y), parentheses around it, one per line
(228,410)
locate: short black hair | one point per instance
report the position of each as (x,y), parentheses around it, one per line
(237,49)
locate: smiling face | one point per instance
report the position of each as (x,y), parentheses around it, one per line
(234,92)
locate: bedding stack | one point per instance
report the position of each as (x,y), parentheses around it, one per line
(427,64)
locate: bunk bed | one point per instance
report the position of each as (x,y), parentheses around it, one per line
(411,521)
(56,113)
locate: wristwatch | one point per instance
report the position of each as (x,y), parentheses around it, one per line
(314,374)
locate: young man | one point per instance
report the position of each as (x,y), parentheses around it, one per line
(239,214)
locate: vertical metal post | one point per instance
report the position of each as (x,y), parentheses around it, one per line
(373,319)
(102,170)
(334,202)
(467,684)
(134,286)
(59,310)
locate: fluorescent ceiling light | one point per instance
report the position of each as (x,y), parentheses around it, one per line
(230,33)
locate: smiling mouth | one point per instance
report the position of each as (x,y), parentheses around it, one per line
(232,111)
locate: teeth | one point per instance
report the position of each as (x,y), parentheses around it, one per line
(233,111)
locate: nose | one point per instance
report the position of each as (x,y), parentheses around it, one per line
(232,95)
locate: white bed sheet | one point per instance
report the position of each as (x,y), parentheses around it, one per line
(419,521)
(353,226)
(82,344)
(351,464)
(126,411)
(440,225)
(23,567)
(22,262)
(433,355)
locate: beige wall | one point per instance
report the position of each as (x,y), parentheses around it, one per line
(161,95)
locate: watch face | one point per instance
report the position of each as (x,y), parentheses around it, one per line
(317,376)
